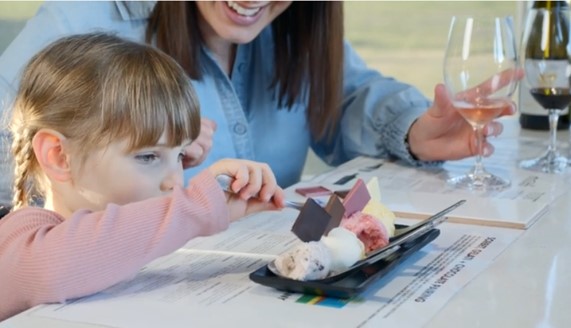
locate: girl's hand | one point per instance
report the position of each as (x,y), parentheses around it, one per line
(254,187)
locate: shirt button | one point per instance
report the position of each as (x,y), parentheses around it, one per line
(241,67)
(240,128)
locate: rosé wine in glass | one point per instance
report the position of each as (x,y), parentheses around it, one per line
(482,113)
(480,75)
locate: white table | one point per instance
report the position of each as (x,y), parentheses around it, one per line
(527,286)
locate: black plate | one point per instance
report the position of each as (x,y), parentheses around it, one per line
(351,284)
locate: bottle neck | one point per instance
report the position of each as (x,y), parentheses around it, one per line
(550,5)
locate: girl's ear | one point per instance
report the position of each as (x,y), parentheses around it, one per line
(52,155)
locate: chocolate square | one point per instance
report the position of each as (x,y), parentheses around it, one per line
(311,222)
(336,210)
(313,191)
(357,198)
(342,193)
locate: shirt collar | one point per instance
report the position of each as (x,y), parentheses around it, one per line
(133,10)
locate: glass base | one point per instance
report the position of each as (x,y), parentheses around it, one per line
(482,181)
(550,162)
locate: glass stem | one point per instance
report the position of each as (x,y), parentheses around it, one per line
(479,167)
(553,119)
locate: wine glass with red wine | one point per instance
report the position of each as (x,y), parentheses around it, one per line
(547,70)
(480,74)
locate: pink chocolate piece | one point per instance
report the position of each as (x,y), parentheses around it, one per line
(356,199)
(368,229)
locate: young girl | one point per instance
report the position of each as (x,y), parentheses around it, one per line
(99,127)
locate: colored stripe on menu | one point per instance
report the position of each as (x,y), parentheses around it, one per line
(323,301)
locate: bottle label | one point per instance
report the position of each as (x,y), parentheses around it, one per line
(528,105)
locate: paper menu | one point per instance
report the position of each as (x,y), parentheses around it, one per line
(480,211)
(197,285)
(418,193)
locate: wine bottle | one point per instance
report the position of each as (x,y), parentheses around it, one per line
(532,115)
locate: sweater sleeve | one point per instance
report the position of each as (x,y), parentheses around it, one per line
(44,258)
(377,114)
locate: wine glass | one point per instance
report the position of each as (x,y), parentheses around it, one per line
(547,70)
(480,75)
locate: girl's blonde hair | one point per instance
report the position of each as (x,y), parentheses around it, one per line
(95,89)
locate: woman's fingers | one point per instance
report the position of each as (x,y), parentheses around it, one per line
(493,129)
(199,149)
(487,148)
(493,84)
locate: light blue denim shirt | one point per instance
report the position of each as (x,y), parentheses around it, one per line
(377,110)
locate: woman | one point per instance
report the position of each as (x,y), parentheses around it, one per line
(275,77)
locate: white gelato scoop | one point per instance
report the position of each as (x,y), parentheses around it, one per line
(345,248)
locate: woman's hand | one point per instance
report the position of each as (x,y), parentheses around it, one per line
(196,152)
(441,133)
(254,187)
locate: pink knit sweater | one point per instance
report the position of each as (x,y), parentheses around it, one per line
(46,259)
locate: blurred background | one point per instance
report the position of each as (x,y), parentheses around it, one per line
(402,39)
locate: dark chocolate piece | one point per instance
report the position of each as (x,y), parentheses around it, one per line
(342,193)
(311,222)
(336,210)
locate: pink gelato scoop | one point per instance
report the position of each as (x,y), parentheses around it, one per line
(368,229)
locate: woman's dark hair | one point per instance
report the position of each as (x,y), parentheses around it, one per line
(308,38)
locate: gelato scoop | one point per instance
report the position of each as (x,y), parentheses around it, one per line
(383,214)
(345,248)
(306,261)
(368,229)
(375,208)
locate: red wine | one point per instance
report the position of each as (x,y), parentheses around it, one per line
(544,49)
(552,98)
